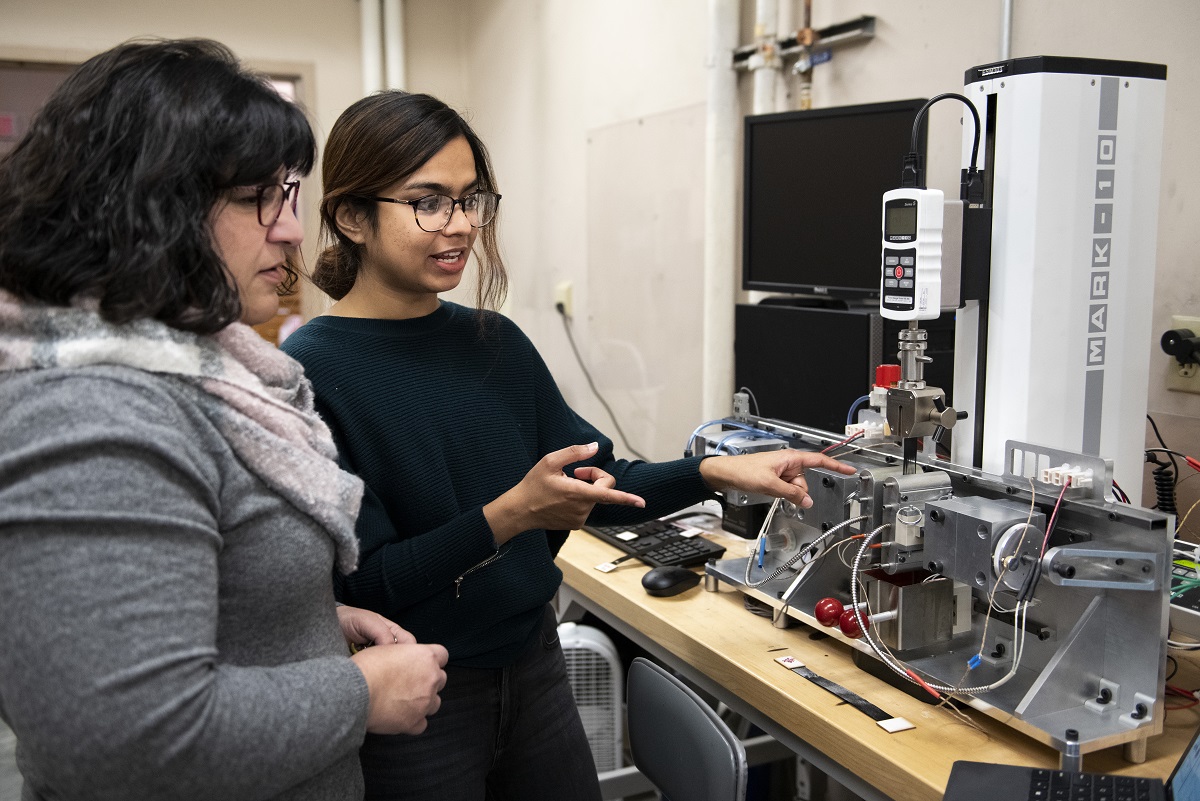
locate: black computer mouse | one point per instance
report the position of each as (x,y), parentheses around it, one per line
(669,580)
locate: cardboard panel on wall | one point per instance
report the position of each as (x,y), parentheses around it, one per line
(642,337)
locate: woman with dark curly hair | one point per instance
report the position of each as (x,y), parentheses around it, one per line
(171,513)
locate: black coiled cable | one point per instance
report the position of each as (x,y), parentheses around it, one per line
(1164,488)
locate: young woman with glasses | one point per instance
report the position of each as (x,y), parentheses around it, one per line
(475,466)
(171,511)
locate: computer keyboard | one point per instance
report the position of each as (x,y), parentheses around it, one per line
(660,542)
(1056,785)
(983,781)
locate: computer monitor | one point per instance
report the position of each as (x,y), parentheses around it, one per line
(814,183)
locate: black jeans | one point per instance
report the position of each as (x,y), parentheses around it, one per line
(510,734)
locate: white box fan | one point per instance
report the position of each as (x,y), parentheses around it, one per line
(598,681)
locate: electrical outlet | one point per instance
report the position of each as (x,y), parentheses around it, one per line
(562,297)
(1184,378)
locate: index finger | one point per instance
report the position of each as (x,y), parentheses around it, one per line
(595,476)
(803,460)
(832,464)
(598,494)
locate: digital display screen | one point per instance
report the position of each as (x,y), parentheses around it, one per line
(813,196)
(900,220)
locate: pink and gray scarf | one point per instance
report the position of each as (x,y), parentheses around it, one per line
(256,395)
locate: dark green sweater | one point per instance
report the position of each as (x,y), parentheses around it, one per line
(439,420)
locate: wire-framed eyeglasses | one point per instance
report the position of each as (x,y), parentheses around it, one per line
(433,212)
(271,198)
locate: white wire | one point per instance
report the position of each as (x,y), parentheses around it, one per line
(804,571)
(798,556)
(894,664)
(1183,646)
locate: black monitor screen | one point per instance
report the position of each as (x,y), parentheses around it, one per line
(813,196)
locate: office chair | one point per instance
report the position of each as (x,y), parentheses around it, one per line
(678,742)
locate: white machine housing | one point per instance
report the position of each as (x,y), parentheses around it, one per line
(1074,153)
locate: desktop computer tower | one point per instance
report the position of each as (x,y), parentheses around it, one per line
(808,364)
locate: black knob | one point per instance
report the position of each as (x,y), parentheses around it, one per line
(1182,344)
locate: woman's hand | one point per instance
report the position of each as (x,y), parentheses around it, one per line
(779,474)
(364,627)
(404,678)
(548,498)
(404,681)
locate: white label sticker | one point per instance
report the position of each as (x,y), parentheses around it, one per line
(893,725)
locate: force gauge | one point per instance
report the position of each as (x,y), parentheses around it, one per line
(911,285)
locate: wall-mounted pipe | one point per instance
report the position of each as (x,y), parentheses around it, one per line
(786,21)
(372,48)
(766,64)
(1006,31)
(393,43)
(721,162)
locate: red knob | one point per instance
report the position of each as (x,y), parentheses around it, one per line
(886,375)
(827,611)
(848,621)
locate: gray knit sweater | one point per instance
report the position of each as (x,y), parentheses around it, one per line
(167,623)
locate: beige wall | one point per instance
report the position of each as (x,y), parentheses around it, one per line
(321,33)
(536,77)
(540,75)
(316,41)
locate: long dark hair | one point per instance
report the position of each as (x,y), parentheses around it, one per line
(108,197)
(376,142)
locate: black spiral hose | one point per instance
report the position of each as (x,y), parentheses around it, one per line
(1164,488)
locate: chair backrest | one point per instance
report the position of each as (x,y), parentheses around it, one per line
(678,742)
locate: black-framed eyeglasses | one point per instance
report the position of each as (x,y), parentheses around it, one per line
(433,212)
(271,198)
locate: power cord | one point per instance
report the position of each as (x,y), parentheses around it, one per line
(913,172)
(1166,479)
(562,312)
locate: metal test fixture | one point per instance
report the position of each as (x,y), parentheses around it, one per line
(1006,575)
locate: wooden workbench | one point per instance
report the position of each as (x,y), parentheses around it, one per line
(713,640)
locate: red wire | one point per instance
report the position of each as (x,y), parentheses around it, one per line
(1188,694)
(855,436)
(1054,515)
(921,681)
